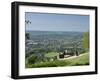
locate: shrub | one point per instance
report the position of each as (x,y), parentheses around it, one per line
(32,59)
(50,64)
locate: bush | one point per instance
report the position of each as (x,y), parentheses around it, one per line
(50,64)
(32,59)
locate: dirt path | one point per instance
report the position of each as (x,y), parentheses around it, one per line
(72,57)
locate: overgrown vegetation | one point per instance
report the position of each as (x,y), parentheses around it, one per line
(50,64)
(81,60)
(86,40)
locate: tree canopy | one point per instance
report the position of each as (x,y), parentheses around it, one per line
(27,35)
(86,40)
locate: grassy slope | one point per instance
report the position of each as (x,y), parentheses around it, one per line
(80,60)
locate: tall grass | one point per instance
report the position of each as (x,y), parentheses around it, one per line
(50,64)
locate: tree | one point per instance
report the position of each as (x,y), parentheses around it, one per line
(86,40)
(32,59)
(27,35)
(75,45)
(27,21)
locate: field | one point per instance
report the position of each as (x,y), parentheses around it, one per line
(51,54)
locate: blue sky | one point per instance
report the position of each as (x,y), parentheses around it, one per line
(57,22)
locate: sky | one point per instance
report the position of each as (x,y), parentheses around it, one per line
(56,22)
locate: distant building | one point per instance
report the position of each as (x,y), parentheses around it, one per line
(30,42)
(68,53)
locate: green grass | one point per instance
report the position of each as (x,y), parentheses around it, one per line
(77,61)
(51,54)
(81,60)
(49,64)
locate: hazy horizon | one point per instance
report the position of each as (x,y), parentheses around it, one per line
(55,31)
(56,22)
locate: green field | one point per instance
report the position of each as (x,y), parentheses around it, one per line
(51,54)
(81,60)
